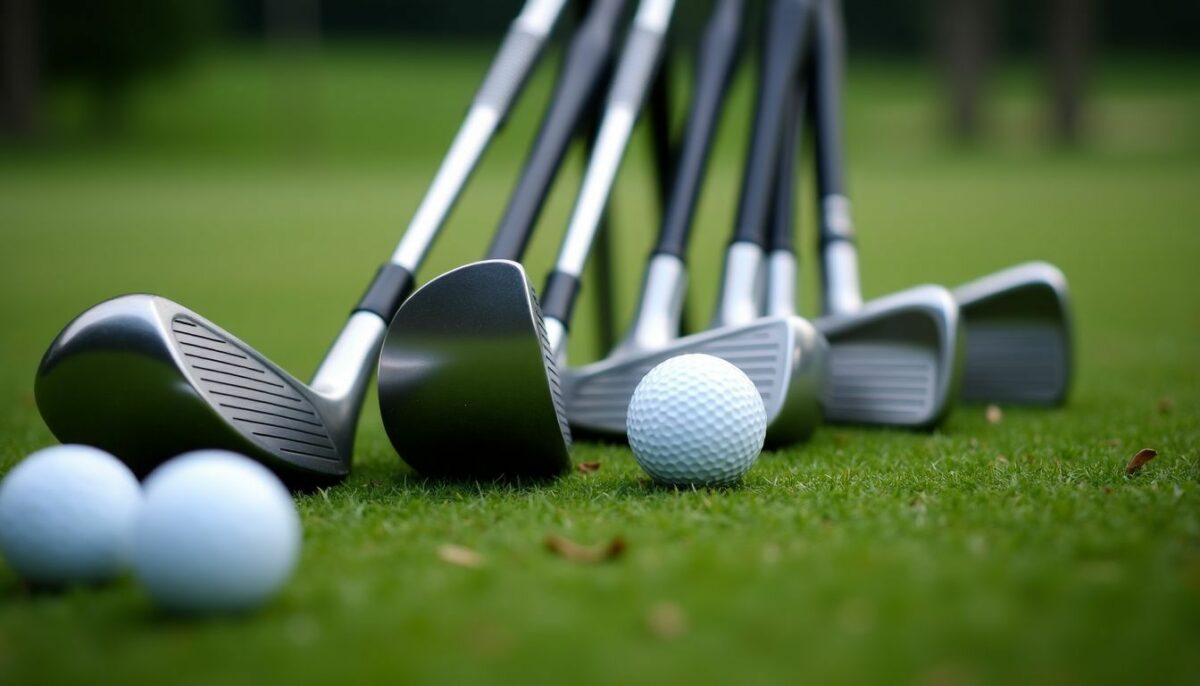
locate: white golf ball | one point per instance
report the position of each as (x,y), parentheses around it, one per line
(696,420)
(67,515)
(218,533)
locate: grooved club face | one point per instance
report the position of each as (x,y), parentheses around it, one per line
(896,361)
(467,385)
(785,357)
(1018,336)
(146,379)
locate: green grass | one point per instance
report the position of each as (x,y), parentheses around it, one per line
(979,553)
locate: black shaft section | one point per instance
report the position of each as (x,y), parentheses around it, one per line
(783,203)
(391,285)
(825,102)
(717,55)
(587,60)
(786,33)
(558,297)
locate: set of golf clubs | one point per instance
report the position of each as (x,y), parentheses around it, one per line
(473,376)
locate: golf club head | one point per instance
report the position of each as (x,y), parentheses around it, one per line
(785,357)
(467,386)
(145,379)
(896,361)
(1018,345)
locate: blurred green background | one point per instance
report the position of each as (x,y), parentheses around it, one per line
(256,161)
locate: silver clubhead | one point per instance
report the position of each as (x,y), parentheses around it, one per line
(145,378)
(468,388)
(785,357)
(1018,341)
(895,361)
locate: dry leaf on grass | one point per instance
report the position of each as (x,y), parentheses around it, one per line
(586,554)
(994,414)
(588,467)
(458,555)
(1138,461)
(667,620)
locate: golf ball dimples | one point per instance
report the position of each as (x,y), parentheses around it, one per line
(67,515)
(218,533)
(696,420)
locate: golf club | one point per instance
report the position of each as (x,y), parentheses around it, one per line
(468,383)
(783,356)
(1018,340)
(896,360)
(146,378)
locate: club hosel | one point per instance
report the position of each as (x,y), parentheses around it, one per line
(656,322)
(350,362)
(781,284)
(741,294)
(842,289)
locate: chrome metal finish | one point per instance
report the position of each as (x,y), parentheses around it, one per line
(1018,333)
(785,357)
(442,388)
(741,294)
(539,16)
(346,370)
(661,306)
(464,154)
(146,378)
(896,361)
(781,284)
(556,339)
(842,293)
(601,173)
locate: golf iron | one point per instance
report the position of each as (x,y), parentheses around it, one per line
(468,383)
(896,360)
(783,356)
(146,378)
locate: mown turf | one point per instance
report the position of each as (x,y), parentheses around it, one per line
(1015,551)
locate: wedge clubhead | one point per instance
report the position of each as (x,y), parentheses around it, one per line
(468,384)
(146,378)
(785,357)
(1018,336)
(477,379)
(895,361)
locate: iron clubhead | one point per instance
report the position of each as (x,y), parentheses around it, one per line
(467,386)
(896,361)
(1018,342)
(785,357)
(145,379)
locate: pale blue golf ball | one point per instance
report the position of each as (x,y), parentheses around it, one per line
(696,420)
(218,533)
(67,516)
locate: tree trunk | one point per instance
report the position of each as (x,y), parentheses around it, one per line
(965,29)
(1069,27)
(19,68)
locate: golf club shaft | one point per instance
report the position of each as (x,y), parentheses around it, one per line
(659,311)
(587,59)
(635,70)
(347,365)
(841,292)
(786,29)
(781,259)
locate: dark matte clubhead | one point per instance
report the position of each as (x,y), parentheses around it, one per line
(785,357)
(896,361)
(1017,324)
(146,379)
(467,386)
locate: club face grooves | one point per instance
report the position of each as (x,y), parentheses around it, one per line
(783,356)
(146,379)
